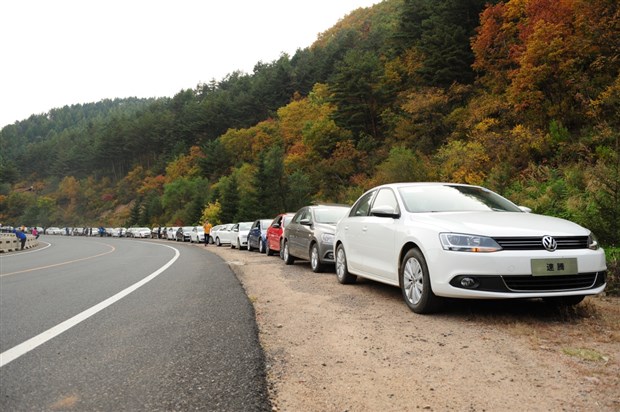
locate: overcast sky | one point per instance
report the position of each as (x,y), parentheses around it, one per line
(64,52)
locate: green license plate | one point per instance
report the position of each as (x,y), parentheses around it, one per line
(551,267)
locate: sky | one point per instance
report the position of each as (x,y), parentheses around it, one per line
(63,52)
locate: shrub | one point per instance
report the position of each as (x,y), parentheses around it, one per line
(613,271)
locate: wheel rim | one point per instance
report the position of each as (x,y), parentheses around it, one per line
(341,263)
(314,258)
(413,282)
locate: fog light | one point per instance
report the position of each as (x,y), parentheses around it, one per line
(469,283)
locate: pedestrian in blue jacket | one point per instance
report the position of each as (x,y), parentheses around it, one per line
(21,236)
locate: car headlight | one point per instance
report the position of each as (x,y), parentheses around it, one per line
(468,243)
(327,238)
(592,242)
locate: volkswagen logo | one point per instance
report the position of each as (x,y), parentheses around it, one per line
(549,243)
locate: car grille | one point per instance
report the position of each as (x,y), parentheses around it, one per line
(535,243)
(550,283)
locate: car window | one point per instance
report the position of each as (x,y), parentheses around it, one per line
(300,215)
(448,198)
(329,214)
(386,198)
(362,207)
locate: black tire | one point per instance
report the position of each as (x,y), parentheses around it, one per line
(268,250)
(218,243)
(261,246)
(281,251)
(415,284)
(342,270)
(315,259)
(564,301)
(250,248)
(286,256)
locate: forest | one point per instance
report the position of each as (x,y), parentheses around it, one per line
(520,96)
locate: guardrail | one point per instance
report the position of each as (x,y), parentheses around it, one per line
(10,243)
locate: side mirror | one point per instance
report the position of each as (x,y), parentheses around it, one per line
(276,226)
(525,209)
(305,222)
(384,211)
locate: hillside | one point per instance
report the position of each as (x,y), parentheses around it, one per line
(519,96)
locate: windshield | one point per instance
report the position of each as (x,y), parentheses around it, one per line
(446,198)
(329,214)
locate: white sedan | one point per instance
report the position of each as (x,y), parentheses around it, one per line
(438,240)
(240,235)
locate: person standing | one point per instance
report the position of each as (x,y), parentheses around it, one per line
(21,236)
(35,233)
(207,226)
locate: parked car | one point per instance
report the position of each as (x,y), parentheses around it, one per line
(223,235)
(184,234)
(54,231)
(214,229)
(240,235)
(197,235)
(275,233)
(310,235)
(257,236)
(171,233)
(139,232)
(439,240)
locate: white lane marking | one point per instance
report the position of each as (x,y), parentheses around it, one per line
(24,252)
(25,347)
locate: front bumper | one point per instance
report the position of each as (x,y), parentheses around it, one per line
(508,274)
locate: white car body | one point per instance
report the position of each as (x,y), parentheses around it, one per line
(240,237)
(171,233)
(141,232)
(197,235)
(224,235)
(376,239)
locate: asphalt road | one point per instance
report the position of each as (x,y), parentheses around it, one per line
(122,324)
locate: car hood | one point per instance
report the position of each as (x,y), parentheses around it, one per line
(500,224)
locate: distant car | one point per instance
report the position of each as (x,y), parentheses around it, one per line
(240,236)
(197,235)
(184,234)
(310,235)
(223,235)
(140,232)
(275,233)
(171,233)
(436,240)
(257,236)
(54,231)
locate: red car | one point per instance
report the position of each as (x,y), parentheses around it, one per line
(275,232)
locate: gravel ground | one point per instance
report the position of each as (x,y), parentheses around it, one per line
(331,347)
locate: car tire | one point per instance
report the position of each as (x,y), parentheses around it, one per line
(261,246)
(281,251)
(268,250)
(286,256)
(564,301)
(218,243)
(250,248)
(315,259)
(342,270)
(415,283)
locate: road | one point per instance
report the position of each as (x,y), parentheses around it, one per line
(123,324)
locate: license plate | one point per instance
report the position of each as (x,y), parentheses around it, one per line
(551,267)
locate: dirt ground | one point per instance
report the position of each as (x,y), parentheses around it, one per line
(333,347)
